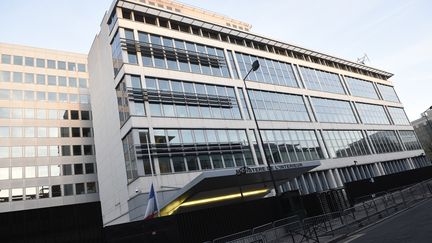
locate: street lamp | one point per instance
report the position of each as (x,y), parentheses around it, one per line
(255,66)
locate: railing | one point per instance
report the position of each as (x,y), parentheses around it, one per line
(313,229)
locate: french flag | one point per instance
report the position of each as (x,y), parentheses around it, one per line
(152,207)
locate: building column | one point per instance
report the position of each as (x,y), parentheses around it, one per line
(315,174)
(338,177)
(330,178)
(304,185)
(352,174)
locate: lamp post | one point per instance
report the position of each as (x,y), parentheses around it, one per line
(255,66)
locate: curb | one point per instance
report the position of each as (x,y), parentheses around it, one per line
(343,236)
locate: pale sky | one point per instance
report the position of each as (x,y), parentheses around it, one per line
(395,34)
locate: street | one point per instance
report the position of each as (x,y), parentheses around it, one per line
(413,225)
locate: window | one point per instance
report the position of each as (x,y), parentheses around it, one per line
(52,80)
(4,132)
(91,187)
(51,64)
(89,168)
(40,63)
(40,79)
(44,191)
(384,141)
(17,194)
(17,152)
(62,81)
(398,116)
(85,115)
(88,150)
(53,132)
(55,170)
(71,66)
(30,172)
(361,88)
(315,79)
(18,60)
(61,65)
(72,82)
(68,189)
(29,61)
(29,78)
(76,149)
(81,67)
(78,169)
(42,151)
(4,174)
(75,132)
(67,169)
(278,106)
(43,171)
(56,191)
(4,94)
(299,145)
(4,152)
(409,139)
(83,83)
(65,150)
(17,77)
(86,131)
(388,93)
(335,111)
(74,115)
(4,195)
(5,76)
(372,114)
(345,143)
(64,132)
(6,59)
(30,193)
(17,172)
(79,188)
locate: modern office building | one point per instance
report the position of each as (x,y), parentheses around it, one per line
(46,137)
(170,108)
(423,129)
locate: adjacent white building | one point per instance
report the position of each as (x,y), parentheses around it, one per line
(46,137)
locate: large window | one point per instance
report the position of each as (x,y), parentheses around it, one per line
(345,143)
(174,98)
(361,88)
(270,71)
(388,93)
(338,111)
(315,79)
(168,53)
(372,114)
(283,146)
(409,139)
(278,106)
(398,116)
(384,141)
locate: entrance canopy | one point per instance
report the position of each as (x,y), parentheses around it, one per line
(218,187)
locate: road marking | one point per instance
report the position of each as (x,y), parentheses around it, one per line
(353,237)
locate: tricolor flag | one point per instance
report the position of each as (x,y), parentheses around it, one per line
(152,207)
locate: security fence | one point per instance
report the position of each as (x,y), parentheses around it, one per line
(366,211)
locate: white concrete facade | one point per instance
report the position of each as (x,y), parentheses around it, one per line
(46,135)
(124,199)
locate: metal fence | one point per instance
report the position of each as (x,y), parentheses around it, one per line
(368,210)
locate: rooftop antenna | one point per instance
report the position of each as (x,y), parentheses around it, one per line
(363,59)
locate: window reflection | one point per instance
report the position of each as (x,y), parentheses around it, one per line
(345,143)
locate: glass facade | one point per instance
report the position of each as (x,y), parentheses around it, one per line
(270,71)
(345,143)
(384,141)
(283,146)
(398,116)
(337,111)
(388,93)
(372,114)
(409,139)
(361,88)
(315,79)
(278,106)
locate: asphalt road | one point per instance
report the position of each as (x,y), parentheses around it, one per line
(413,225)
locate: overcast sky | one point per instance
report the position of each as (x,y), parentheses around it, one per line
(395,34)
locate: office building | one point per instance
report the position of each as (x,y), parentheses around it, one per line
(170,108)
(46,136)
(423,129)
